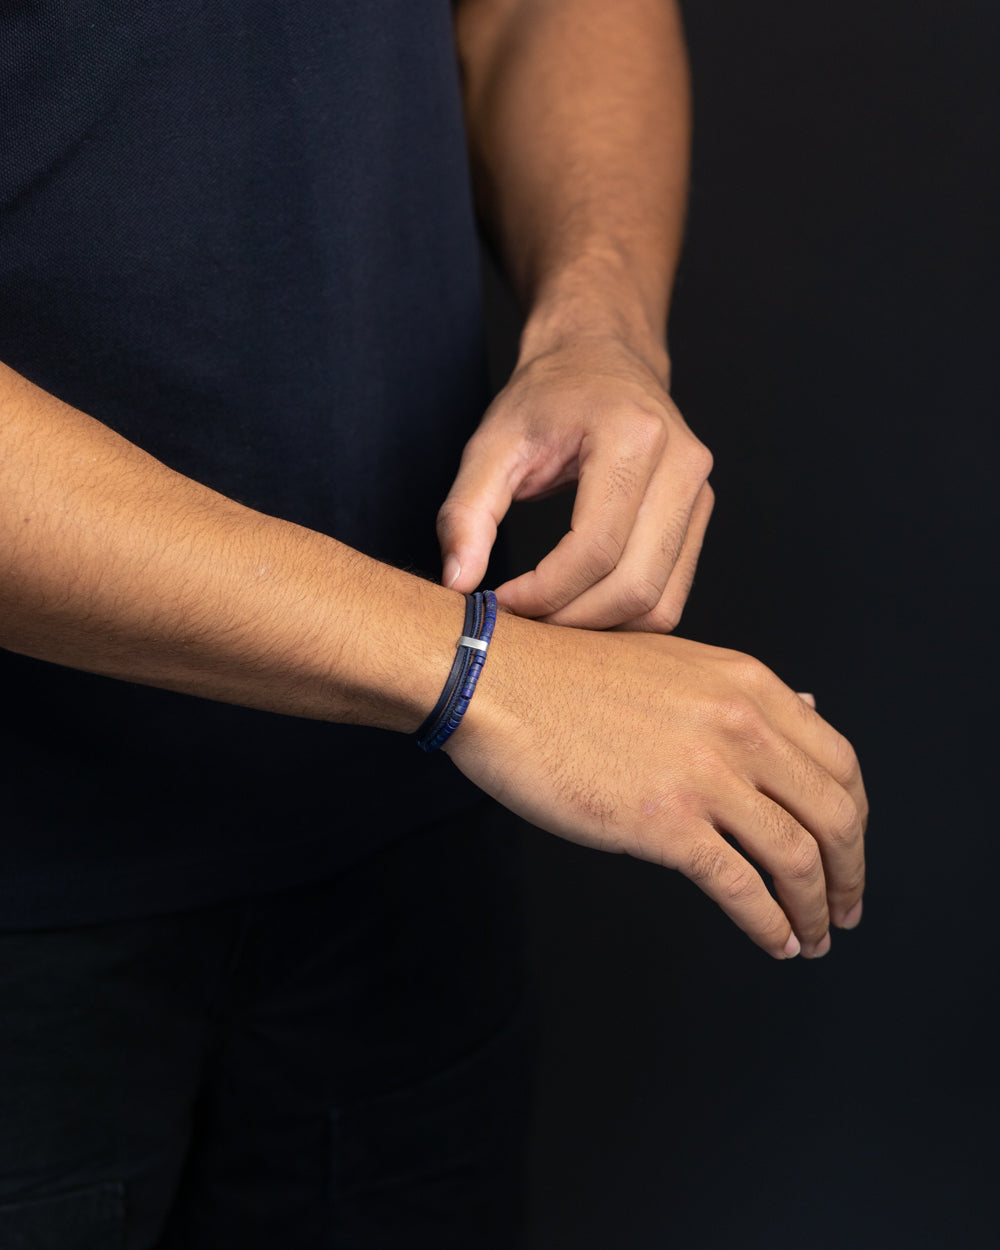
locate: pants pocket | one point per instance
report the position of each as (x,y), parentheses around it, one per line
(83,1219)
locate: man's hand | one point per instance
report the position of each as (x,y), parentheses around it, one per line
(596,412)
(692,757)
(578,121)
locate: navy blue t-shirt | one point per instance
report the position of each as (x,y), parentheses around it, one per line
(240,234)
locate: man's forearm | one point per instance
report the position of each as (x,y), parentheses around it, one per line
(578,117)
(111,562)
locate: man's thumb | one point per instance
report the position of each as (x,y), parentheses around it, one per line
(466,531)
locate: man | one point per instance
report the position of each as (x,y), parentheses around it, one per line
(242,323)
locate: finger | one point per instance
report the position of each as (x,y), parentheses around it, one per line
(734,884)
(666,616)
(819,803)
(476,504)
(778,842)
(802,724)
(611,487)
(635,586)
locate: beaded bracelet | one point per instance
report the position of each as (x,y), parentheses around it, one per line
(470,656)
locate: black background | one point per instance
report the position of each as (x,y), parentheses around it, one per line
(834,343)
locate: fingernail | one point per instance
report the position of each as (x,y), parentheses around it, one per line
(853,917)
(792,947)
(452,572)
(822,947)
(807,698)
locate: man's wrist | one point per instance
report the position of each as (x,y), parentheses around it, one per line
(595,298)
(402,663)
(499,694)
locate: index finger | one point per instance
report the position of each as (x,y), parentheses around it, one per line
(610,490)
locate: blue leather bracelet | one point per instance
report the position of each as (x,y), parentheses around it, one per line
(458,667)
(470,656)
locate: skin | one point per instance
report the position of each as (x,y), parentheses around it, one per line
(578,120)
(673,747)
(696,758)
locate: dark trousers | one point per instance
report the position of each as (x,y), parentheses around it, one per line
(344,1065)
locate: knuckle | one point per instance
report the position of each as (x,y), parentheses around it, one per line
(547,603)
(757,675)
(663,619)
(603,553)
(701,460)
(641,595)
(845,761)
(715,870)
(738,883)
(853,886)
(643,431)
(747,672)
(451,511)
(740,716)
(845,822)
(707,862)
(804,860)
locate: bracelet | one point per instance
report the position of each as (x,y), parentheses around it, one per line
(470,656)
